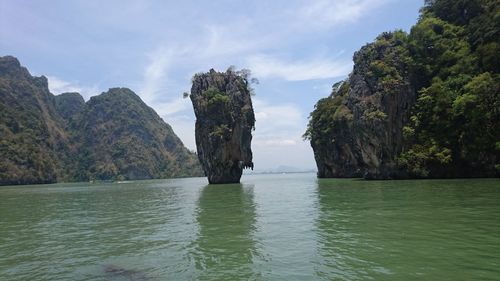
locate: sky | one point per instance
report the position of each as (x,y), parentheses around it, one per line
(297,49)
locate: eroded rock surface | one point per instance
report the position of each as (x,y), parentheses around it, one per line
(357,131)
(224,122)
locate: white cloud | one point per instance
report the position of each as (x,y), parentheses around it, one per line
(233,40)
(324,89)
(327,14)
(183,126)
(274,142)
(273,119)
(155,73)
(58,86)
(173,107)
(277,139)
(320,68)
(299,155)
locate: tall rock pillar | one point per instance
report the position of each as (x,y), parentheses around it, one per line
(224,123)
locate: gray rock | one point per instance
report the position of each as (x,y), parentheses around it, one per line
(224,122)
(366,137)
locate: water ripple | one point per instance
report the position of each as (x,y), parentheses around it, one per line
(270,227)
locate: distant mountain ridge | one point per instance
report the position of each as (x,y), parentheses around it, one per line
(282,169)
(114,136)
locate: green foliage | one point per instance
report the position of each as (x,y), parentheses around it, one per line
(29,138)
(408,132)
(440,49)
(458,105)
(458,12)
(388,60)
(220,131)
(489,60)
(215,98)
(328,113)
(246,74)
(375,115)
(421,158)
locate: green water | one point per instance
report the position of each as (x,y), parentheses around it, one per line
(270,227)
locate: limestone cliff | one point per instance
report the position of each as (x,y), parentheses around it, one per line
(224,122)
(32,138)
(423,104)
(114,136)
(120,137)
(357,131)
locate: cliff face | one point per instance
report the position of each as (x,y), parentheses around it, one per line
(69,105)
(418,105)
(46,138)
(364,117)
(132,141)
(31,132)
(224,121)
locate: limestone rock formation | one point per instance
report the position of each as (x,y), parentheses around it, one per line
(69,105)
(31,134)
(224,122)
(133,141)
(114,136)
(357,131)
(423,104)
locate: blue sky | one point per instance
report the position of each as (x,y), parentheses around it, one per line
(297,50)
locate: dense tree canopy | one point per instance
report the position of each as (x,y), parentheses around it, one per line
(455,124)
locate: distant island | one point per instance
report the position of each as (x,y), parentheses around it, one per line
(114,136)
(424,104)
(282,169)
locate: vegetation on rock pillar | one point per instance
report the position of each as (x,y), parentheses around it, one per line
(224,122)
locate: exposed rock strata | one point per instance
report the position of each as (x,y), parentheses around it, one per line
(364,135)
(224,122)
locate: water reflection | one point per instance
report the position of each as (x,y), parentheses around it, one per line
(343,218)
(407,230)
(225,246)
